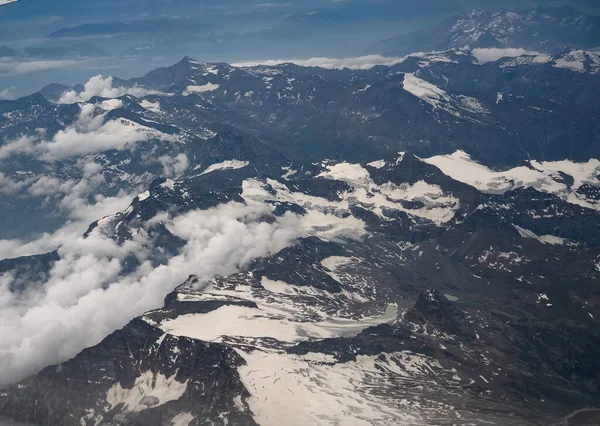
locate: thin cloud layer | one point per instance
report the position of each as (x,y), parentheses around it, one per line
(11,67)
(361,62)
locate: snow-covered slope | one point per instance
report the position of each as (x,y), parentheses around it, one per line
(564,179)
(578,60)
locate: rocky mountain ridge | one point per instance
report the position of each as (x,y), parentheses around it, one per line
(177,120)
(544,29)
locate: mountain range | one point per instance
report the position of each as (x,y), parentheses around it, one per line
(547,30)
(416,243)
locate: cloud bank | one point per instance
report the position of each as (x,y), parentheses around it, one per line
(358,63)
(85,296)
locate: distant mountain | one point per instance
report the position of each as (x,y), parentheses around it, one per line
(115,28)
(75,50)
(54,91)
(548,30)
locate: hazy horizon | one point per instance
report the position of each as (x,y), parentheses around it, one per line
(130,38)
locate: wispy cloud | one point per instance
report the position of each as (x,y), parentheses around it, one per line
(272,5)
(12,67)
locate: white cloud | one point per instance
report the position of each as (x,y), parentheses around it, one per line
(24,144)
(361,62)
(85,297)
(485,55)
(89,167)
(81,212)
(88,135)
(79,200)
(103,87)
(114,134)
(11,186)
(173,166)
(7,94)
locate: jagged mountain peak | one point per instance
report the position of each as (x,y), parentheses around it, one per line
(578,60)
(435,311)
(547,30)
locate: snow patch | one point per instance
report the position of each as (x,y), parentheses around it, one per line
(543,176)
(576,60)
(144,195)
(110,104)
(424,90)
(472,105)
(277,287)
(289,172)
(225,165)
(323,218)
(149,390)
(434,205)
(170,184)
(208,87)
(313,390)
(266,321)
(377,164)
(334,262)
(151,106)
(182,419)
(346,172)
(544,239)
